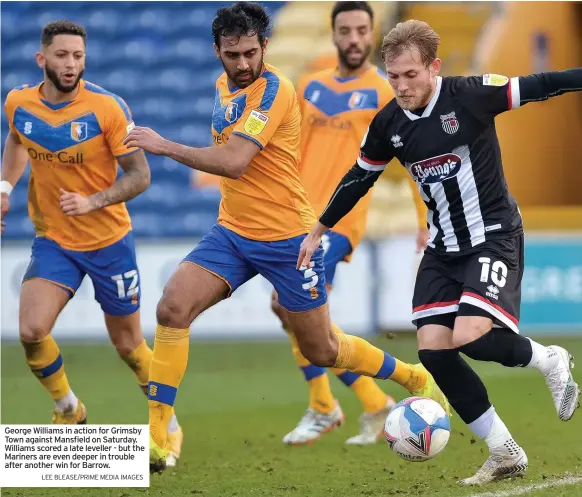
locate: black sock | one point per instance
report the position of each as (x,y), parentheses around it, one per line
(500,345)
(458,381)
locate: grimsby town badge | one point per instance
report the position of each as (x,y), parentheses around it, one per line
(450,123)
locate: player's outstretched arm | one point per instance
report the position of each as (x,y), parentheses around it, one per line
(13,164)
(541,86)
(135,180)
(353,186)
(230,160)
(491,94)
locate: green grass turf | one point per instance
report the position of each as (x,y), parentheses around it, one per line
(237,401)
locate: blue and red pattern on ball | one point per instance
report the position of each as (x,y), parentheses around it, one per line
(417,426)
(417,423)
(389,438)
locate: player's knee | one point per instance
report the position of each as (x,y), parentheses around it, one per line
(169,312)
(124,332)
(437,361)
(32,330)
(432,336)
(124,344)
(320,352)
(470,328)
(174,312)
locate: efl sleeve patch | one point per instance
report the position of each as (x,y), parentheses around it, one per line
(255,123)
(495,80)
(130,126)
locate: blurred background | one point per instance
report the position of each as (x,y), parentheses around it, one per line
(158,56)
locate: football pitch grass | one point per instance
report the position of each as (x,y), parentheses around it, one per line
(238,400)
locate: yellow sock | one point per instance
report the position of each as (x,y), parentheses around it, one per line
(359,356)
(371,396)
(168,365)
(320,395)
(139,360)
(409,376)
(46,363)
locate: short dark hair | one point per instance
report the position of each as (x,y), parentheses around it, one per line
(55,28)
(241,18)
(340,7)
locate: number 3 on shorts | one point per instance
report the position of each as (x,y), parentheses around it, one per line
(120,279)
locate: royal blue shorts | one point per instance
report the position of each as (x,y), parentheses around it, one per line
(113,271)
(237,259)
(336,247)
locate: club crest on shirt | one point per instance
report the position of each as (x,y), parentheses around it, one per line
(450,123)
(79,131)
(357,100)
(231,112)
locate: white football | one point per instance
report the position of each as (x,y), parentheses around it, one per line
(417,429)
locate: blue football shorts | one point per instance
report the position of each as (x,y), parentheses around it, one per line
(112,269)
(237,259)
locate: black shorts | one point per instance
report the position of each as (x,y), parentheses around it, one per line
(485,282)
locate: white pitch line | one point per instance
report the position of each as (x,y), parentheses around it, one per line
(524,489)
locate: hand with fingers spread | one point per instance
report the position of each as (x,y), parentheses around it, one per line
(73,204)
(146,139)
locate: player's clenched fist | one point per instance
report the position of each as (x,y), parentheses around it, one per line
(146,139)
(73,204)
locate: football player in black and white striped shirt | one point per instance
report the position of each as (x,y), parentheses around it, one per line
(468,287)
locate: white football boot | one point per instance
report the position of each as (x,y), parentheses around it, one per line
(564,389)
(372,425)
(313,425)
(507,461)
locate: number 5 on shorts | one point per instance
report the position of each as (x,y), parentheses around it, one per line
(308,272)
(120,279)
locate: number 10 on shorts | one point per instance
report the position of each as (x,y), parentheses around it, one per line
(121,279)
(497,271)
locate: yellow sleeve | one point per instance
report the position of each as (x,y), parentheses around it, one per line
(266,107)
(301,85)
(9,109)
(119,124)
(418,203)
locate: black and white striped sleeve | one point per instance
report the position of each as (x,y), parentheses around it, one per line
(373,159)
(491,94)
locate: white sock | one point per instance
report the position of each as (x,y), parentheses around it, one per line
(68,403)
(491,429)
(542,357)
(173,424)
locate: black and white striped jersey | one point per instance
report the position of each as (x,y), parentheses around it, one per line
(452,152)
